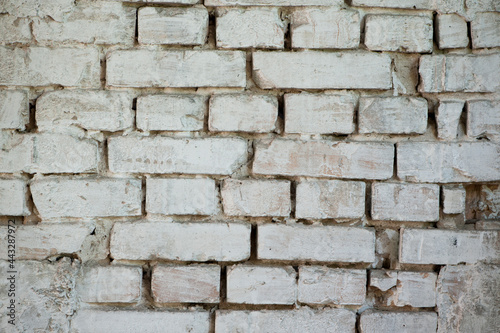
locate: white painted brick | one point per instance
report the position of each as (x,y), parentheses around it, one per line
(448,116)
(383,279)
(175,68)
(261,285)
(356,160)
(402,33)
(321,70)
(243,113)
(186,284)
(317,243)
(13,197)
(459,73)
(322,28)
(453,199)
(42,241)
(285,321)
(277,3)
(485,30)
(171,112)
(250,27)
(86,197)
(441,5)
(449,247)
(220,156)
(483,5)
(405,202)
(448,162)
(451,31)
(397,322)
(330,199)
(416,289)
(90,110)
(171,25)
(14,29)
(181,196)
(186,241)
(40,66)
(483,118)
(56,9)
(392,115)
(111,284)
(319,113)
(256,197)
(323,285)
(179,2)
(14,109)
(119,321)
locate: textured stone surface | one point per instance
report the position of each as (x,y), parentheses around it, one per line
(56,9)
(483,118)
(14,109)
(452,31)
(444,5)
(416,289)
(281,3)
(487,204)
(453,199)
(14,197)
(383,280)
(447,118)
(485,30)
(398,322)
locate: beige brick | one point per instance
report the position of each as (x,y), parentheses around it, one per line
(383,280)
(416,289)
(452,31)
(280,3)
(13,197)
(398,322)
(448,116)
(483,118)
(323,285)
(187,241)
(14,109)
(256,197)
(14,29)
(485,30)
(453,199)
(330,199)
(485,203)
(487,225)
(186,284)
(56,9)
(356,160)
(318,243)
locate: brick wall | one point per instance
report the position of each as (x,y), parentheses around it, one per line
(250,165)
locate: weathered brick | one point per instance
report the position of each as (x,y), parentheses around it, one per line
(485,30)
(220,156)
(405,202)
(261,285)
(179,2)
(324,159)
(86,197)
(111,284)
(452,31)
(323,285)
(482,5)
(397,322)
(40,66)
(449,247)
(402,33)
(243,113)
(14,109)
(441,5)
(321,70)
(285,321)
(392,115)
(56,9)
(317,243)
(181,196)
(15,29)
(453,199)
(90,110)
(186,284)
(13,197)
(483,118)
(186,241)
(250,27)
(321,28)
(448,162)
(175,69)
(170,25)
(256,197)
(330,199)
(448,116)
(383,279)
(171,112)
(460,73)
(277,3)
(319,113)
(487,225)
(416,289)
(483,202)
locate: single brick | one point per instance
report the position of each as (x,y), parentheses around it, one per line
(111,284)
(243,113)
(171,112)
(405,202)
(177,2)
(91,110)
(186,241)
(285,321)
(326,199)
(485,30)
(483,118)
(261,285)
(41,66)
(276,3)
(321,70)
(356,160)
(256,197)
(250,27)
(181,196)
(323,285)
(383,280)
(453,199)
(171,25)
(448,116)
(441,5)
(482,5)
(448,162)
(317,243)
(416,289)
(14,109)
(86,197)
(175,68)
(319,113)
(392,115)
(397,322)
(459,73)
(322,28)
(186,284)
(449,247)
(15,29)
(219,156)
(56,9)
(13,197)
(451,31)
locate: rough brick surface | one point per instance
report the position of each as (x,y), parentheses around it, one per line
(483,118)
(451,31)
(13,197)
(14,109)
(447,118)
(398,322)
(485,30)
(273,2)
(453,199)
(416,289)
(15,29)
